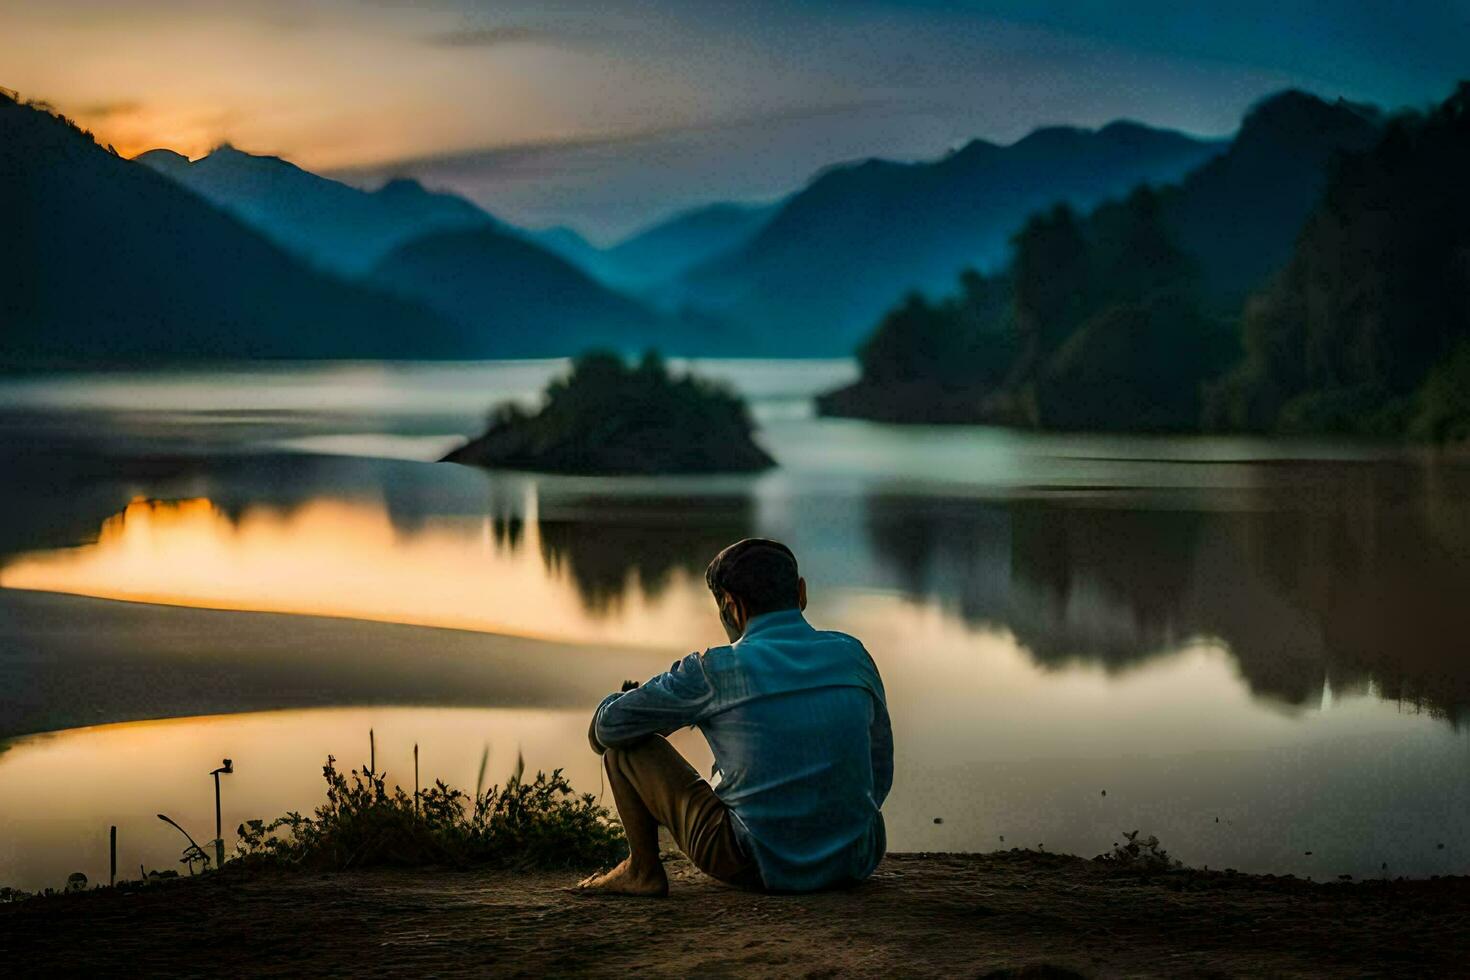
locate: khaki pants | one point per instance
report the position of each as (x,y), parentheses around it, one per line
(679,799)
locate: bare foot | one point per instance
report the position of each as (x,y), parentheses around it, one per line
(648,882)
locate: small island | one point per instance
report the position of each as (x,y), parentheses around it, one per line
(610,418)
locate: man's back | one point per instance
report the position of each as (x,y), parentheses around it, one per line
(801,741)
(798,725)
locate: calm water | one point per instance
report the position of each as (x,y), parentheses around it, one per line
(1258,650)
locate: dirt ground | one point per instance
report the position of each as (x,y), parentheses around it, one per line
(1008,914)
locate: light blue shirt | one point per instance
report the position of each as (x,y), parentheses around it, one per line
(798,724)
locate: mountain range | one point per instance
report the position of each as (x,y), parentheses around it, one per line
(535,303)
(665,250)
(820,272)
(333,225)
(237,254)
(495,281)
(104,259)
(349,230)
(648,261)
(807,275)
(1238,214)
(1128,317)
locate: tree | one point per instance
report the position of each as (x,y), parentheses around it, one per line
(1049,281)
(1374,296)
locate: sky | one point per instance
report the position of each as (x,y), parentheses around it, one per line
(608,114)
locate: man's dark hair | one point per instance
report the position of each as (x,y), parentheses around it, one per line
(761,573)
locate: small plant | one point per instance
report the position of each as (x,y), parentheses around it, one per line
(540,824)
(194,854)
(1146,855)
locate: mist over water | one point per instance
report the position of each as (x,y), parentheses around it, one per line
(1257,649)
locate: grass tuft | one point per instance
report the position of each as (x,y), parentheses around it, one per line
(538,824)
(1146,855)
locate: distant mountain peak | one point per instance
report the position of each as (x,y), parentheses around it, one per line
(229,155)
(846,168)
(402,186)
(166,160)
(161,153)
(975,149)
(1297,122)
(1132,132)
(334,225)
(1367,110)
(1126,126)
(842,250)
(561,233)
(1293,107)
(1050,134)
(1124,131)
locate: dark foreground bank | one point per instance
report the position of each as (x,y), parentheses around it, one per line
(1004,914)
(68,661)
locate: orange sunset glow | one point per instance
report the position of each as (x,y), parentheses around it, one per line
(134,128)
(334,558)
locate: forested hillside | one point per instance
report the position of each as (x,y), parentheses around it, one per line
(1168,310)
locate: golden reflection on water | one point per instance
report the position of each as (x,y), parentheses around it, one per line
(333,557)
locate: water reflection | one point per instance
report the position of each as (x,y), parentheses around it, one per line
(1206,628)
(1352,590)
(332,557)
(628,546)
(1356,590)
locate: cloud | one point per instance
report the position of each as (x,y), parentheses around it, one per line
(514,154)
(106,110)
(490,37)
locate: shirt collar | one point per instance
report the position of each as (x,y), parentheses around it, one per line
(766,622)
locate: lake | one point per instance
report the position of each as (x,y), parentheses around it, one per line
(1254,649)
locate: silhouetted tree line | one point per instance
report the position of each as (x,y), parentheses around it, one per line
(1158,312)
(1096,324)
(929,358)
(1366,329)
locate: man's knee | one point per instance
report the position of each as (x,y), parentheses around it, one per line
(621,758)
(612,758)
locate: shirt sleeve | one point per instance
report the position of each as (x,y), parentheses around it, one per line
(673,700)
(880,737)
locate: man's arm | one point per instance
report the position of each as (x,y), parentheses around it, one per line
(673,700)
(597,746)
(880,737)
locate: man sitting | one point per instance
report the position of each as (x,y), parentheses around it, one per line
(798,725)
